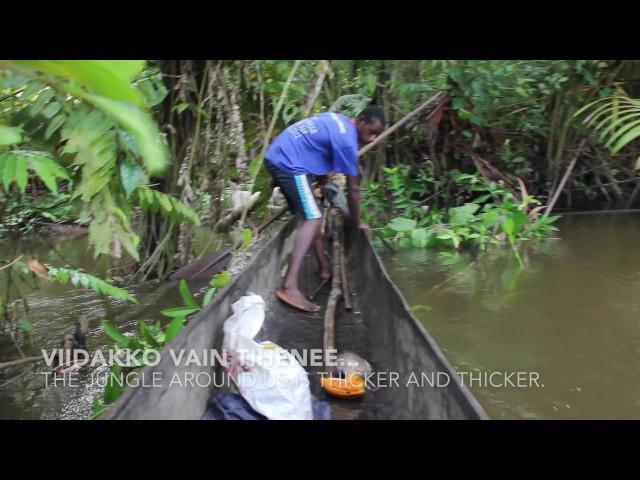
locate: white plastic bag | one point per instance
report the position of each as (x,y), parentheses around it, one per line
(246,321)
(268,377)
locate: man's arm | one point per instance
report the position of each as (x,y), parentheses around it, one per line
(346,161)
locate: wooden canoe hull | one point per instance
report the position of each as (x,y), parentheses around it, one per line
(380,328)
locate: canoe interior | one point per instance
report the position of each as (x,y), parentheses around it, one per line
(379,328)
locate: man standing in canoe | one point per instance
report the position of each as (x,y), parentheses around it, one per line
(325,143)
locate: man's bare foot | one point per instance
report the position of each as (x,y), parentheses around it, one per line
(296,299)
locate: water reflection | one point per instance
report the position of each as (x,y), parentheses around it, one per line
(54,309)
(571,315)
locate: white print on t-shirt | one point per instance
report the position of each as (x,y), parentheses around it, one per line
(303,127)
(341,126)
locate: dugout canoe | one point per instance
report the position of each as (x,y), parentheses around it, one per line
(380,328)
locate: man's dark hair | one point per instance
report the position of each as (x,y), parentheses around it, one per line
(373,112)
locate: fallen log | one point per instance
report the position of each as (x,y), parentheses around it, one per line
(236,213)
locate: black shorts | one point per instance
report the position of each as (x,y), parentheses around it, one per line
(298,192)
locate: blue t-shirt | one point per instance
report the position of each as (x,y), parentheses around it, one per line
(324,143)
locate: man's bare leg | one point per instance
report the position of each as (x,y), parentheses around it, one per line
(305,236)
(323,261)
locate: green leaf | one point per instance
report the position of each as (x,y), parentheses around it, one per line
(158,201)
(8,170)
(207,298)
(109,78)
(631,135)
(113,387)
(464,213)
(54,124)
(97,284)
(449,238)
(623,121)
(350,105)
(147,335)
(508,226)
(135,344)
(464,114)
(115,334)
(127,69)
(416,308)
(371,84)
(400,224)
(33,87)
(131,175)
(129,242)
(220,279)
(154,328)
(187,297)
(46,174)
(25,325)
(51,109)
(476,119)
(141,125)
(98,406)
(181,107)
(62,275)
(148,196)
(42,100)
(490,218)
(247,236)
(173,329)
(165,202)
(520,219)
(483,198)
(404,242)
(56,169)
(419,237)
(153,90)
(118,211)
(178,312)
(128,142)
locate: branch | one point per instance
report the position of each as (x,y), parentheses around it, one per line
(400,122)
(9,264)
(346,288)
(565,177)
(20,361)
(315,91)
(6,97)
(265,142)
(329,339)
